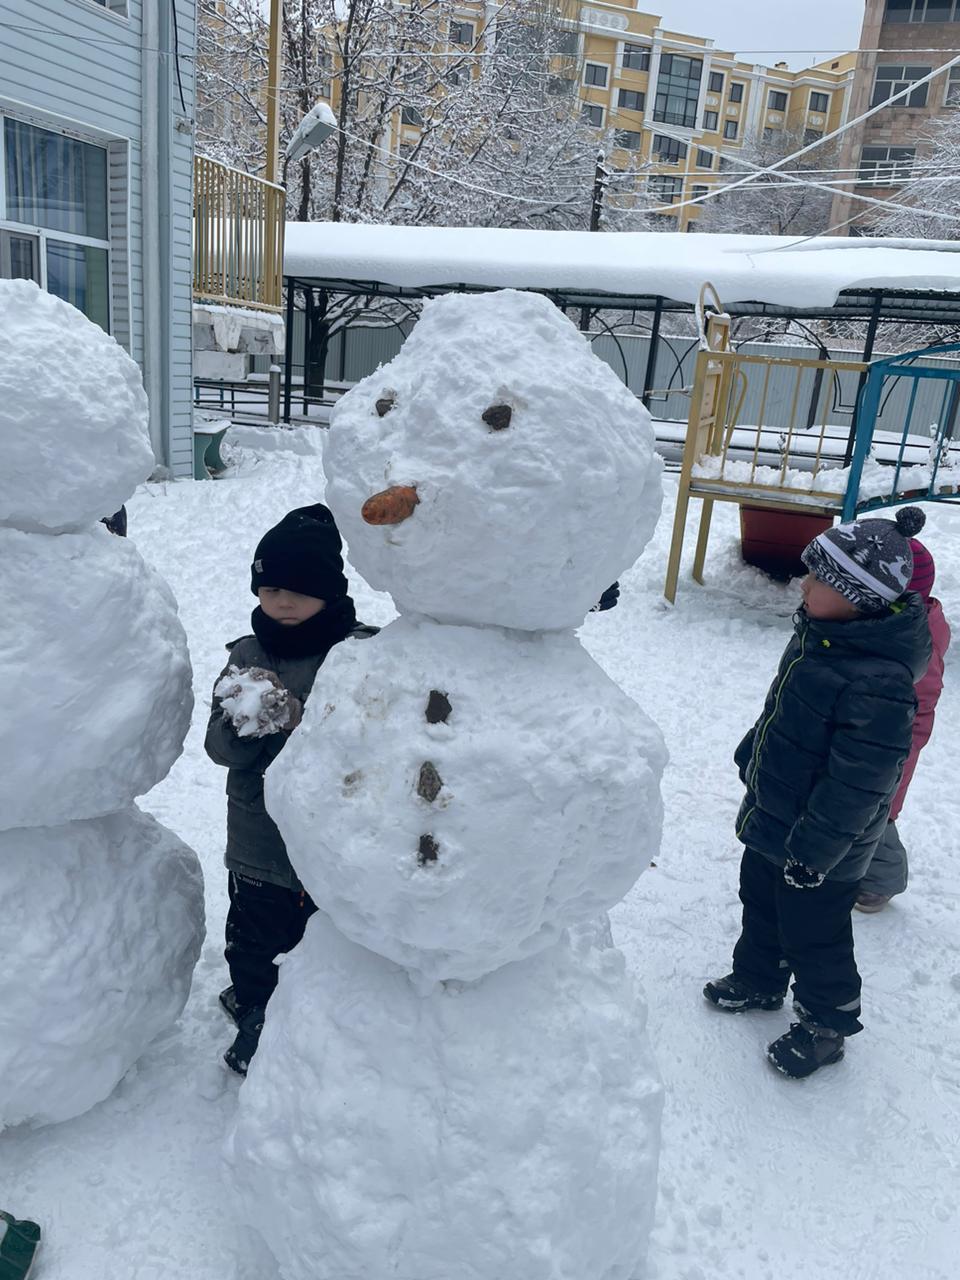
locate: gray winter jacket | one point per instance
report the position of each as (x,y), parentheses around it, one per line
(255,847)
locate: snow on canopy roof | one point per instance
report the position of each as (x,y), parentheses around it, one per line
(779,270)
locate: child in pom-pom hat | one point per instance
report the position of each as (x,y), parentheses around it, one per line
(821,767)
(887,874)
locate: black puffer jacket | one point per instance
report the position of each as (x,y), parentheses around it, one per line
(255,847)
(822,763)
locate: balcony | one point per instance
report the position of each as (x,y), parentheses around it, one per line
(238,225)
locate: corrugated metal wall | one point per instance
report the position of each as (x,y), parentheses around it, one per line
(358,351)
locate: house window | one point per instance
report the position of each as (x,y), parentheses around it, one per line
(595,74)
(776,101)
(820,102)
(891,79)
(678,90)
(592,114)
(922,11)
(730,129)
(636,57)
(715,83)
(699,192)
(665,188)
(631,100)
(410,115)
(736,93)
(704,158)
(953,88)
(115,6)
(710,121)
(884,164)
(461,33)
(811,135)
(59,185)
(668,150)
(628,139)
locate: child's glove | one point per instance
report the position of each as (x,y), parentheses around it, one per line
(256,703)
(608,600)
(798,876)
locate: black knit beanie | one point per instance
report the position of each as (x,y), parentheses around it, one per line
(869,562)
(302,553)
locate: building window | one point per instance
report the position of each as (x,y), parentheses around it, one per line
(595,74)
(776,101)
(115,6)
(636,57)
(627,139)
(668,150)
(736,93)
(678,90)
(461,33)
(710,121)
(730,129)
(699,192)
(820,102)
(953,88)
(882,165)
(57,184)
(410,115)
(891,79)
(715,83)
(665,188)
(592,114)
(631,100)
(922,11)
(704,158)
(811,135)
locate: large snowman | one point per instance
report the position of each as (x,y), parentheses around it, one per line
(101,907)
(454,1081)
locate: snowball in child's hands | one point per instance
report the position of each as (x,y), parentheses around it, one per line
(256,703)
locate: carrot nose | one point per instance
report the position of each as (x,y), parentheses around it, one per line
(392,506)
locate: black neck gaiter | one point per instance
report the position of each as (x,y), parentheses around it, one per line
(317,635)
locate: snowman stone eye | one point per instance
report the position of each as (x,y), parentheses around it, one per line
(497,417)
(385,404)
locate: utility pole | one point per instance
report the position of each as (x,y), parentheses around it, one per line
(599,189)
(273,92)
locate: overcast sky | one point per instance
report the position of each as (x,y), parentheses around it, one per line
(768,30)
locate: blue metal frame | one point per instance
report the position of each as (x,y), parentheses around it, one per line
(869,412)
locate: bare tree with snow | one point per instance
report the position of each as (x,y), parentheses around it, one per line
(933,186)
(772,204)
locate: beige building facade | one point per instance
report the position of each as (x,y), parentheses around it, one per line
(674,107)
(901,42)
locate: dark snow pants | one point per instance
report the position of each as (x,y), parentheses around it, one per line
(264,921)
(887,872)
(806,932)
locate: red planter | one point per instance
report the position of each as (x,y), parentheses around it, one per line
(774,540)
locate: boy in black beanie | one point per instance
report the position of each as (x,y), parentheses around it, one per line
(821,767)
(305,609)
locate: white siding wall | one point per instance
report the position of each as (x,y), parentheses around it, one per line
(76,65)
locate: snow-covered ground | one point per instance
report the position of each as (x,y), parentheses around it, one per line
(853,1175)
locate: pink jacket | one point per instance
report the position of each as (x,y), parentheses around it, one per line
(929,688)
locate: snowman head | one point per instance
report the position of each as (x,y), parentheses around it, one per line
(496,472)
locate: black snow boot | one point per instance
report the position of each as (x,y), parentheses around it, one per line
(229,1005)
(733,997)
(805,1049)
(18,1247)
(240,1053)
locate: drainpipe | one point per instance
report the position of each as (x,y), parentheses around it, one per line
(156,223)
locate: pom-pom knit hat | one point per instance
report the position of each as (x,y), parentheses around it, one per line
(868,562)
(302,553)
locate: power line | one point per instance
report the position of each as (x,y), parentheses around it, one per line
(812,146)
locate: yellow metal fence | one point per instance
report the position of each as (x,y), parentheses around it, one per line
(237,237)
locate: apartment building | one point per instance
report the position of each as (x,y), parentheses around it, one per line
(901,42)
(673,106)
